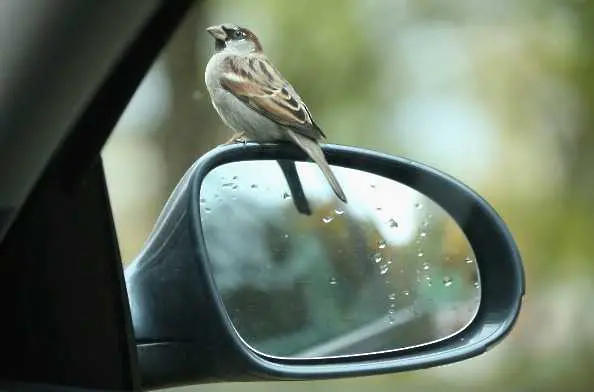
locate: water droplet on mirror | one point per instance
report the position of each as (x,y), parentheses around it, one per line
(418,205)
(425,223)
(332,281)
(372,186)
(392,296)
(207,210)
(339,211)
(384,268)
(423,234)
(227,184)
(391,316)
(377,257)
(235,187)
(421,254)
(235,178)
(253,186)
(468,260)
(202,200)
(286,196)
(426,266)
(405,292)
(477,285)
(392,223)
(388,262)
(285,236)
(447,281)
(381,244)
(327,219)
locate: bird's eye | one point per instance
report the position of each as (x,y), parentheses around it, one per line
(238,34)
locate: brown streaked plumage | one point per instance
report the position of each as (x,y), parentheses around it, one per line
(268,93)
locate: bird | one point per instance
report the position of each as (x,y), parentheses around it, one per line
(253,99)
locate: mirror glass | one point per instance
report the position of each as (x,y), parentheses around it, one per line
(389,270)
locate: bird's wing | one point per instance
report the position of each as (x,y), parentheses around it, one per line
(258,84)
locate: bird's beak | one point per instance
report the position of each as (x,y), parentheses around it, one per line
(217,32)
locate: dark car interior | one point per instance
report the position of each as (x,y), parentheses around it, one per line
(55,157)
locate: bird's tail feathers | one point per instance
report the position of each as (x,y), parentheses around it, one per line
(314,151)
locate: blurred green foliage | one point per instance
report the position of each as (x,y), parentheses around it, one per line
(525,68)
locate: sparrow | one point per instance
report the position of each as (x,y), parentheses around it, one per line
(256,101)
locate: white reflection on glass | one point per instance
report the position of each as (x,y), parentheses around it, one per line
(389,270)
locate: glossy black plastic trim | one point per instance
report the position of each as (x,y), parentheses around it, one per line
(498,259)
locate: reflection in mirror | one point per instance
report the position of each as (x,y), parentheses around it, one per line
(389,270)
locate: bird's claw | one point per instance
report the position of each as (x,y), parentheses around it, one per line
(236,138)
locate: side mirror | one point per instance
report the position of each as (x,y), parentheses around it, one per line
(253,272)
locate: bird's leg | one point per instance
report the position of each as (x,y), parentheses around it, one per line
(237,137)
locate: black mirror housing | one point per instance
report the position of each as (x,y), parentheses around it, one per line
(185,336)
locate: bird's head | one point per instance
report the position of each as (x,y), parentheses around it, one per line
(233,37)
